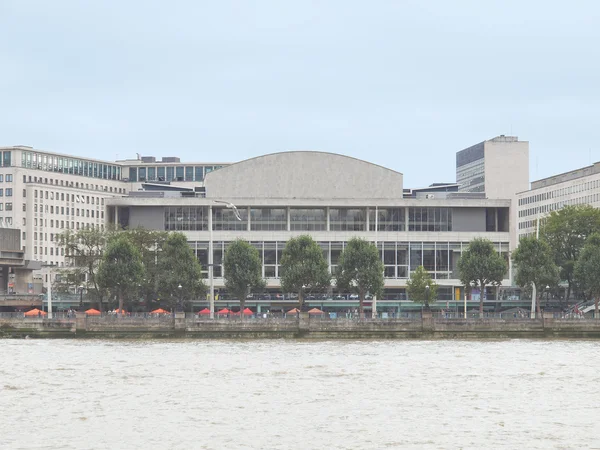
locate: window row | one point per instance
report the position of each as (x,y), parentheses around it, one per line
(72,166)
(400,259)
(309,219)
(170,173)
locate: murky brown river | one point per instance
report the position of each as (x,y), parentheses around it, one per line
(514,394)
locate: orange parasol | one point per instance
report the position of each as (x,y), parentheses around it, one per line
(159,311)
(35,313)
(293,311)
(315,311)
(93,312)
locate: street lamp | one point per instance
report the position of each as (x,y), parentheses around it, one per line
(80,297)
(180,288)
(50,266)
(427,298)
(210,252)
(547,294)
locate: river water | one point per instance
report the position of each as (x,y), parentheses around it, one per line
(286,394)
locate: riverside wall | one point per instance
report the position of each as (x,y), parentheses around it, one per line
(301,327)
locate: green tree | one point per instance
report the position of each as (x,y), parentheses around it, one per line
(587,269)
(150,244)
(84,250)
(243,271)
(566,231)
(178,266)
(480,266)
(360,270)
(534,264)
(419,284)
(121,269)
(303,267)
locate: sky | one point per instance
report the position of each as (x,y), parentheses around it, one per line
(400,83)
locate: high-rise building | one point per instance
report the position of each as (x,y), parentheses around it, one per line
(499,167)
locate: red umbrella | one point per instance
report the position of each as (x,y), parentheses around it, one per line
(204,312)
(224,311)
(93,312)
(247,312)
(315,311)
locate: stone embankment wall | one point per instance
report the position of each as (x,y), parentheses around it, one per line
(301,327)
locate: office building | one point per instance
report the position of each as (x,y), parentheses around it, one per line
(576,187)
(45,193)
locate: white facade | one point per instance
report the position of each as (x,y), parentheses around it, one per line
(577,187)
(45,193)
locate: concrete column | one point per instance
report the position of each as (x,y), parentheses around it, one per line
(427,319)
(179,320)
(303,321)
(80,321)
(248,228)
(288,218)
(117,217)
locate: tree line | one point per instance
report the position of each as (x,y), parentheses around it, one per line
(160,268)
(566,251)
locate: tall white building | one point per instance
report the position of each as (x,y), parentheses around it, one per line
(44,193)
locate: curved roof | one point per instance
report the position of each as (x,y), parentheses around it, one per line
(304,174)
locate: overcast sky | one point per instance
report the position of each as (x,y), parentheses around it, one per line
(401,83)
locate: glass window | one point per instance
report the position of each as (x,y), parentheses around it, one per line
(161,174)
(151,173)
(189,218)
(429,219)
(179,173)
(170,173)
(189,173)
(308,219)
(7,158)
(388,219)
(142,173)
(199,173)
(263,219)
(347,219)
(133,174)
(8,192)
(225,219)
(416,255)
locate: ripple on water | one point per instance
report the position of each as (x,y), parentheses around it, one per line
(298,394)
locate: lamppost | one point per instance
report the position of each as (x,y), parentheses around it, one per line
(547,294)
(374,300)
(50,266)
(211,280)
(180,305)
(427,298)
(80,297)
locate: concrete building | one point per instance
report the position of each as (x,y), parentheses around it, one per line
(576,187)
(499,167)
(333,198)
(44,193)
